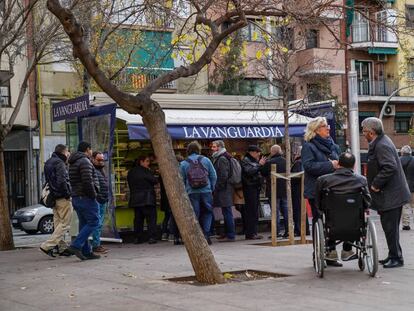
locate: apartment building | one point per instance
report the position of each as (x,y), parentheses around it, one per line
(21,145)
(380,52)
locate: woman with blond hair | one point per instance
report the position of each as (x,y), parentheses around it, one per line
(319,157)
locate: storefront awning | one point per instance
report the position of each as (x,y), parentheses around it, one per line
(383,51)
(218,124)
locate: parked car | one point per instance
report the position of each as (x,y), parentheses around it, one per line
(34,218)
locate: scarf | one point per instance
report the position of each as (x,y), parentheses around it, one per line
(219,153)
(327,146)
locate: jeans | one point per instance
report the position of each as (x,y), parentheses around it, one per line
(229,222)
(87,210)
(282,207)
(203,208)
(96,235)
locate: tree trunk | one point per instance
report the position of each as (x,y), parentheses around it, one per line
(6,235)
(288,164)
(202,259)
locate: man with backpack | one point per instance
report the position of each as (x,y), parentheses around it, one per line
(200,179)
(223,192)
(56,175)
(407,162)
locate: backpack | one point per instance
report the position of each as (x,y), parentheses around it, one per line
(47,198)
(235,178)
(197,174)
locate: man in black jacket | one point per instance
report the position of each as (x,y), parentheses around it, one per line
(407,162)
(56,175)
(223,191)
(388,186)
(84,192)
(281,196)
(342,181)
(141,184)
(252,182)
(98,162)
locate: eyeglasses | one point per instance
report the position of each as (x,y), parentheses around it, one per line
(325,125)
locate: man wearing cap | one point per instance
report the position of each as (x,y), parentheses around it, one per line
(407,162)
(252,164)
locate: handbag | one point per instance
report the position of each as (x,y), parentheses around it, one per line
(47,198)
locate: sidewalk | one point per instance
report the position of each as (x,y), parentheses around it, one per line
(131,277)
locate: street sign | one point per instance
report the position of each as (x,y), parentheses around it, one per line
(71,108)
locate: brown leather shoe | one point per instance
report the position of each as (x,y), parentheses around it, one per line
(100,249)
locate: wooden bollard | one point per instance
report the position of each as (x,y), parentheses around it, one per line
(273,203)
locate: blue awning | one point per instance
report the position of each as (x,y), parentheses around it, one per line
(219,124)
(139,132)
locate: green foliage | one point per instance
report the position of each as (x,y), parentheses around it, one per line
(228,77)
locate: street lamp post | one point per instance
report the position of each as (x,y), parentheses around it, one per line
(389,98)
(354,118)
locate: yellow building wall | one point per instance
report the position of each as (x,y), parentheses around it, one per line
(406,50)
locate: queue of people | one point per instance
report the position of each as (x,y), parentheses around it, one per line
(78,182)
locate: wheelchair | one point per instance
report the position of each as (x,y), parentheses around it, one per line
(343,218)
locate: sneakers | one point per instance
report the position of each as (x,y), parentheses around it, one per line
(164,237)
(178,241)
(254,237)
(65,253)
(92,256)
(51,252)
(152,241)
(348,255)
(331,256)
(100,249)
(77,252)
(331,259)
(221,237)
(406,228)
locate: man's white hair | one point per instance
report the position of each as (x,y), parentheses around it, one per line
(275,149)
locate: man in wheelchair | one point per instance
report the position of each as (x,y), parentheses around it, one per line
(342,182)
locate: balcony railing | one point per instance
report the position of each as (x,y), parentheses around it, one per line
(139,78)
(364,33)
(369,87)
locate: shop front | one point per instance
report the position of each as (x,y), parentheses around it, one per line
(122,138)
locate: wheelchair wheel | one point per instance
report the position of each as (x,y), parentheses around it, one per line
(319,248)
(371,255)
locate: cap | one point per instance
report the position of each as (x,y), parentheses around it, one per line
(253,148)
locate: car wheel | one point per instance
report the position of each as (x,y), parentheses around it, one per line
(30,231)
(46,224)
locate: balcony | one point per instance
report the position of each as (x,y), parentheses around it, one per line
(366,37)
(370,87)
(134,78)
(321,61)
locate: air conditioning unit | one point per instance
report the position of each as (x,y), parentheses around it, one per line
(382,57)
(389,111)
